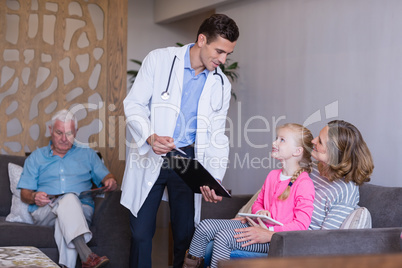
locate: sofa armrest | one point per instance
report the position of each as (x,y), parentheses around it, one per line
(335,242)
(226,209)
(111,230)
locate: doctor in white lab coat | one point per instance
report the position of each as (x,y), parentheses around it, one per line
(152,108)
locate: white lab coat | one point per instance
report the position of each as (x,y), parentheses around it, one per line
(148,113)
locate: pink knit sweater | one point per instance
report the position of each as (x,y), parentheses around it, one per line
(294,212)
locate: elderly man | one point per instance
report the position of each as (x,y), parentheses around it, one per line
(53,177)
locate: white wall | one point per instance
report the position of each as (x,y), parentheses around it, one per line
(297,57)
(170,10)
(144,35)
(340,59)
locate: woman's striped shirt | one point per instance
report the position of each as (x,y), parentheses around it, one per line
(334,201)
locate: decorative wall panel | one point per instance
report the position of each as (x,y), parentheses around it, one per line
(62,55)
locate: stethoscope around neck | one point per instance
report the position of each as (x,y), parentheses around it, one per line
(165,95)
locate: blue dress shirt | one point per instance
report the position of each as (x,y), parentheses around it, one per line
(186,124)
(54,175)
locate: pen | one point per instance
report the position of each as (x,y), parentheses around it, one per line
(180,151)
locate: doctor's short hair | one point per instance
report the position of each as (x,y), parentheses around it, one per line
(219,25)
(65,116)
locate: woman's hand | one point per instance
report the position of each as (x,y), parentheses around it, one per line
(257,233)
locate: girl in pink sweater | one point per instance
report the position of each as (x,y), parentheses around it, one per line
(287,196)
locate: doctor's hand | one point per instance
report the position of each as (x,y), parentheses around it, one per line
(161,144)
(209,195)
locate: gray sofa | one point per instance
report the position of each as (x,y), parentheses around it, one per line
(384,204)
(110,225)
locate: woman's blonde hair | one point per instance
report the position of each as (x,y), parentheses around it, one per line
(349,156)
(303,138)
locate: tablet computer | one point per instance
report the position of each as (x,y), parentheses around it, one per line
(195,175)
(262,217)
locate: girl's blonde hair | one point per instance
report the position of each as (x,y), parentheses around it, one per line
(303,138)
(349,156)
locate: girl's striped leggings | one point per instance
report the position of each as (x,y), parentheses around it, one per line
(222,232)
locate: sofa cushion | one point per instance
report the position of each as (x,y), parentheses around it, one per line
(19,234)
(384,204)
(19,210)
(335,242)
(5,193)
(360,218)
(247,207)
(226,209)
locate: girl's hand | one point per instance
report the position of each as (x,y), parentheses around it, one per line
(264,212)
(260,223)
(242,219)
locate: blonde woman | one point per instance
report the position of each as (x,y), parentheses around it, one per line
(344,163)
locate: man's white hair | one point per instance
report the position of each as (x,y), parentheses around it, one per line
(65,116)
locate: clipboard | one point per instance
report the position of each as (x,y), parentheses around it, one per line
(195,175)
(85,194)
(92,193)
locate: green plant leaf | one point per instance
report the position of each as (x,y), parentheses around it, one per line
(234,95)
(233,66)
(132,72)
(136,61)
